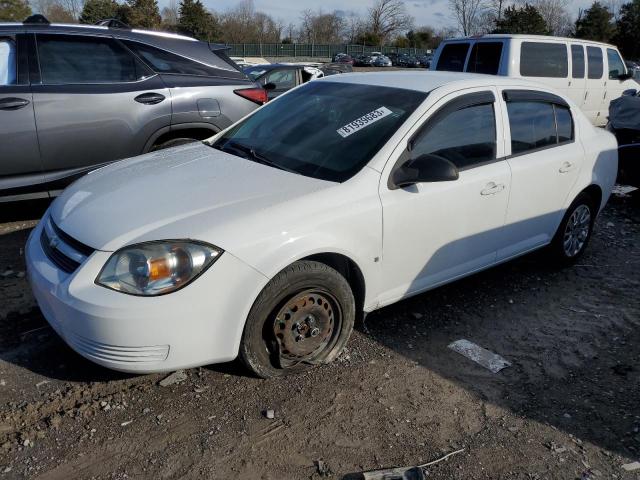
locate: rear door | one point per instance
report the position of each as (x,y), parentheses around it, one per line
(595,86)
(95,101)
(578,81)
(19,154)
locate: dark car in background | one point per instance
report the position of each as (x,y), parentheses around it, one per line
(76,97)
(425,60)
(407,61)
(277,78)
(342,58)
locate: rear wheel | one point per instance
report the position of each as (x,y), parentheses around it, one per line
(303,317)
(574,232)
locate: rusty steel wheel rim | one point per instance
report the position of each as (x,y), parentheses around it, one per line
(307,326)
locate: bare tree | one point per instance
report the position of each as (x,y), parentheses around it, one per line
(55,10)
(244,24)
(170,14)
(319,27)
(555,14)
(388,17)
(466,13)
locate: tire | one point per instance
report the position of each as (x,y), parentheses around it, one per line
(173,143)
(574,232)
(303,317)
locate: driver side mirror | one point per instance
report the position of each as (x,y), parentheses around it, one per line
(425,168)
(269,86)
(625,76)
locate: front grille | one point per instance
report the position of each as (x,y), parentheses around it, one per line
(64,251)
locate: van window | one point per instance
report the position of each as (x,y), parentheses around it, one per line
(485,58)
(577,61)
(72,59)
(616,67)
(536,125)
(594,62)
(539,59)
(7,62)
(466,137)
(452,57)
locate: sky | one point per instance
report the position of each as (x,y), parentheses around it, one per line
(434,13)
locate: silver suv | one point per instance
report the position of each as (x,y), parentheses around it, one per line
(75,97)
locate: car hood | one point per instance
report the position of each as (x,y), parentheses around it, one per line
(184,192)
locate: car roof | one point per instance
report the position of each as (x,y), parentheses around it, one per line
(506,36)
(426,81)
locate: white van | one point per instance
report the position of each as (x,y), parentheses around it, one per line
(590,73)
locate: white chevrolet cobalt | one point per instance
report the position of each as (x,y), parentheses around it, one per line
(342,196)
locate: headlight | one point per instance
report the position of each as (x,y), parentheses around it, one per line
(155,268)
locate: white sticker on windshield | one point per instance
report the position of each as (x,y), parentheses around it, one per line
(363,121)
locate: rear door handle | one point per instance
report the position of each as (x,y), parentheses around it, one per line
(492,188)
(13,103)
(151,98)
(566,167)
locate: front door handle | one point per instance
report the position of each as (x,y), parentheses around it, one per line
(13,103)
(566,167)
(492,188)
(151,98)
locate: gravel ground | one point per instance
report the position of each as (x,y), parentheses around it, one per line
(567,408)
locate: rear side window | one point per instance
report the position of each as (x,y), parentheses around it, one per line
(616,67)
(594,62)
(466,137)
(577,61)
(7,62)
(452,57)
(485,58)
(73,59)
(282,79)
(538,59)
(166,62)
(536,125)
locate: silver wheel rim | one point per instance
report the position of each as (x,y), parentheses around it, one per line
(577,231)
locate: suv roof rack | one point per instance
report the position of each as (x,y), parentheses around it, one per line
(37,19)
(113,23)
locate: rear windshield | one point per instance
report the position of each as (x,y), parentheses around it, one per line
(485,58)
(323,129)
(452,57)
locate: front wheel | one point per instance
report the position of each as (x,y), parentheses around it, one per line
(303,317)
(575,230)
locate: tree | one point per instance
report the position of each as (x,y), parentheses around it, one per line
(14,10)
(423,38)
(142,14)
(196,21)
(55,11)
(244,25)
(596,24)
(627,37)
(388,17)
(466,13)
(525,19)
(170,16)
(96,10)
(555,15)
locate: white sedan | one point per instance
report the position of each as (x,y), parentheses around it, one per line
(342,196)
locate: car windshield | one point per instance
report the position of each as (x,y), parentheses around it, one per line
(325,130)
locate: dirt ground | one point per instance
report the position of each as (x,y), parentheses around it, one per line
(567,408)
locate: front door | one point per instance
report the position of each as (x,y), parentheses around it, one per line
(435,232)
(19,153)
(95,103)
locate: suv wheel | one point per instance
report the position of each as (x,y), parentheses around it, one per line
(303,317)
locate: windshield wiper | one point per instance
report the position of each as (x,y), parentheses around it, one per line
(251,154)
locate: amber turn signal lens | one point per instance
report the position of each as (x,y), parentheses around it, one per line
(159,268)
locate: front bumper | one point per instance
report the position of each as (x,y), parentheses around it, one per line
(197,325)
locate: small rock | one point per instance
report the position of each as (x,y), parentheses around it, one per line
(20,275)
(124,424)
(270,414)
(417,315)
(511,301)
(27,443)
(631,467)
(3,382)
(7,470)
(610,224)
(322,468)
(176,377)
(566,415)
(146,410)
(7,273)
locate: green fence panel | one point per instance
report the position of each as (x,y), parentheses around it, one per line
(310,50)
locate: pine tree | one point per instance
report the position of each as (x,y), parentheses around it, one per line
(14,10)
(196,21)
(627,37)
(596,24)
(143,14)
(96,10)
(522,20)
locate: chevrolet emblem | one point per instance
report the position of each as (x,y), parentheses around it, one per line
(53,242)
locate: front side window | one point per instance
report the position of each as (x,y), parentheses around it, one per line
(166,62)
(594,62)
(452,57)
(7,62)
(325,130)
(543,59)
(73,59)
(465,137)
(577,61)
(282,79)
(616,66)
(533,125)
(485,58)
